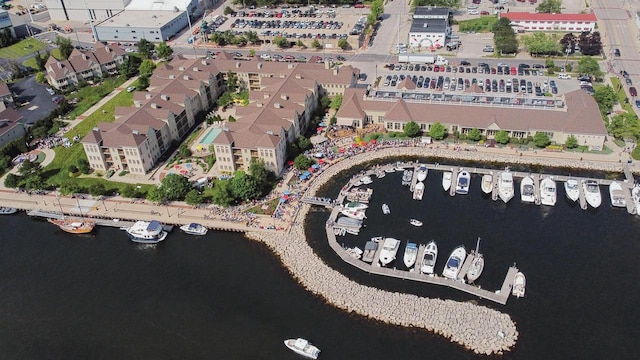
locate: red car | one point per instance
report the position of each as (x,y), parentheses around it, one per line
(484,12)
(358,6)
(441,68)
(633,92)
(436,68)
(514,71)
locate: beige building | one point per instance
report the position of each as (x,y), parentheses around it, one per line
(84,66)
(10,127)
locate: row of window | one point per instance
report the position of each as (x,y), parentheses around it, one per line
(553,28)
(554,22)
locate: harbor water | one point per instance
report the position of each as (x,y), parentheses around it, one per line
(222,296)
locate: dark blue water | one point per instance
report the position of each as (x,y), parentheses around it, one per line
(226,297)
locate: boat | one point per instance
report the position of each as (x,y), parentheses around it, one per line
(410,254)
(389,250)
(635,196)
(454,263)
(147,232)
(347,221)
(572,190)
(366,180)
(74,225)
(358,215)
(617,195)
(7,210)
(352,231)
(380,174)
(477,264)
(527,190)
(548,192)
(356,206)
(389,170)
(399,166)
(385,209)
(354,252)
(422,172)
(418,192)
(302,347)
(519,283)
(407,176)
(462,183)
(415,222)
(429,258)
(194,229)
(487,183)
(369,253)
(505,186)
(592,193)
(446,180)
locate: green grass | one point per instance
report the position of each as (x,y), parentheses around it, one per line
(481,24)
(271,208)
(31,62)
(22,48)
(90,95)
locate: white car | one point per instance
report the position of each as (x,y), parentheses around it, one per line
(473,12)
(564,76)
(502,64)
(50,91)
(265,56)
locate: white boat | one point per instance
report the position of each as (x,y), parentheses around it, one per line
(548,192)
(7,210)
(389,250)
(354,252)
(146,232)
(505,186)
(429,258)
(616,193)
(592,193)
(446,180)
(347,221)
(462,183)
(572,190)
(415,222)
(389,170)
(422,173)
(399,166)
(407,177)
(366,180)
(385,209)
(369,253)
(454,263)
(380,174)
(418,191)
(356,206)
(477,264)
(519,283)
(635,196)
(302,347)
(358,215)
(410,254)
(527,190)
(194,229)
(487,183)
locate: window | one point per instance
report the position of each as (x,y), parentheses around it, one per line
(380,118)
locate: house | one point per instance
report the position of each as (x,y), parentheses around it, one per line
(6,96)
(526,22)
(5,23)
(83,66)
(431,27)
(10,127)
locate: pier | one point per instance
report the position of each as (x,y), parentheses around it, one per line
(326,202)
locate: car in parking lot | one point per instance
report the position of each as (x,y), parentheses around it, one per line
(488,48)
(50,91)
(628,81)
(564,76)
(624,73)
(616,52)
(131,88)
(638,104)
(633,92)
(537,66)
(465,63)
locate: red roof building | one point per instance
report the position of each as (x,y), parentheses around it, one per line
(525,22)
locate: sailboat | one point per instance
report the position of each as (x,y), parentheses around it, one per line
(74,225)
(477,264)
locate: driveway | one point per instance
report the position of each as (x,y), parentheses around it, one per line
(40,104)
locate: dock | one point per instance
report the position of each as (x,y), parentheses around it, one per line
(326,202)
(454,180)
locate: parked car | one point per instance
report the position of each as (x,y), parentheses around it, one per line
(638,104)
(488,48)
(131,88)
(616,52)
(564,76)
(633,92)
(465,63)
(628,81)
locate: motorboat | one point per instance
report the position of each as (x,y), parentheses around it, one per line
(389,170)
(385,209)
(429,258)
(74,225)
(548,192)
(527,190)
(635,196)
(454,263)
(302,347)
(505,186)
(339,231)
(446,180)
(572,190)
(369,253)
(487,183)
(380,174)
(519,283)
(407,177)
(7,210)
(616,193)
(415,222)
(410,254)
(147,232)
(354,252)
(477,264)
(418,191)
(356,206)
(462,183)
(399,166)
(592,193)
(347,221)
(422,172)
(358,215)
(366,180)
(389,250)
(194,229)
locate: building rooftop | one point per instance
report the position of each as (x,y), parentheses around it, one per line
(428,26)
(141,19)
(524,16)
(431,11)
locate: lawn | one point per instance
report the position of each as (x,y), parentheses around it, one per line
(270,208)
(622,95)
(31,62)
(90,95)
(481,24)
(22,48)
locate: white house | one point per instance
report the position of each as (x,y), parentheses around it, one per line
(430,27)
(525,22)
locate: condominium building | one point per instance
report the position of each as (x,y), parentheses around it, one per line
(83,66)
(525,22)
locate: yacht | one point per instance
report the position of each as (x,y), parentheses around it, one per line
(422,173)
(410,254)
(454,263)
(389,250)
(415,222)
(477,264)
(380,174)
(635,196)
(548,192)
(74,225)
(366,180)
(519,283)
(407,177)
(194,229)
(389,170)
(302,347)
(487,183)
(462,183)
(617,195)
(527,190)
(572,190)
(358,215)
(505,186)
(592,193)
(418,192)
(7,210)
(356,206)
(385,209)
(146,232)
(429,258)
(446,180)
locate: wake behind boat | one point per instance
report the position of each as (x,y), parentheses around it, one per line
(302,347)
(617,195)
(389,250)
(429,258)
(462,183)
(519,283)
(548,193)
(592,193)
(527,190)
(194,229)
(446,180)
(454,263)
(487,183)
(410,254)
(422,172)
(146,232)
(505,186)
(418,192)
(571,190)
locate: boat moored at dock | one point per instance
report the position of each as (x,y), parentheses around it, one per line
(194,229)
(616,194)
(592,193)
(147,232)
(635,197)
(429,258)
(477,264)
(462,182)
(505,186)
(446,180)
(572,190)
(519,283)
(410,254)
(7,210)
(358,215)
(487,183)
(548,192)
(74,225)
(454,263)
(418,192)
(389,250)
(369,253)
(421,173)
(527,190)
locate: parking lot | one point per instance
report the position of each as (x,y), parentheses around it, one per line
(38,103)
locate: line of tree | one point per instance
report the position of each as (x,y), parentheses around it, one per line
(504,37)
(6,39)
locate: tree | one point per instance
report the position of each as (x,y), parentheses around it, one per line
(252,53)
(228,10)
(439,3)
(83,166)
(606,97)
(590,43)
(175,187)
(589,66)
(6,38)
(316,44)
(502,137)
(143,82)
(302,162)
(244,186)
(437,131)
(130,66)
(336,102)
(474,134)
(232,81)
(541,139)
(146,67)
(97,189)
(571,142)
(164,51)
(155,195)
(504,37)
(130,191)
(40,78)
(252,37)
(304,144)
(184,151)
(221,193)
(550,7)
(193,198)
(11,180)
(540,43)
(144,48)
(69,187)
(343,44)
(65,46)
(281,42)
(411,129)
(568,42)
(41,61)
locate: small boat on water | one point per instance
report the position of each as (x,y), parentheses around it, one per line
(415,222)
(462,183)
(418,192)
(399,166)
(147,232)
(356,206)
(410,254)
(477,264)
(369,253)
(389,250)
(380,174)
(389,170)
(519,283)
(571,190)
(385,209)
(74,225)
(548,192)
(358,215)
(635,196)
(422,172)
(302,347)
(354,252)
(7,210)
(429,258)
(454,263)
(407,176)
(505,186)
(487,183)
(194,229)
(366,180)
(446,180)
(527,190)
(616,193)
(592,193)
(347,221)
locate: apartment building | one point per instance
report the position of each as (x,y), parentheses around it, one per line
(526,22)
(83,66)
